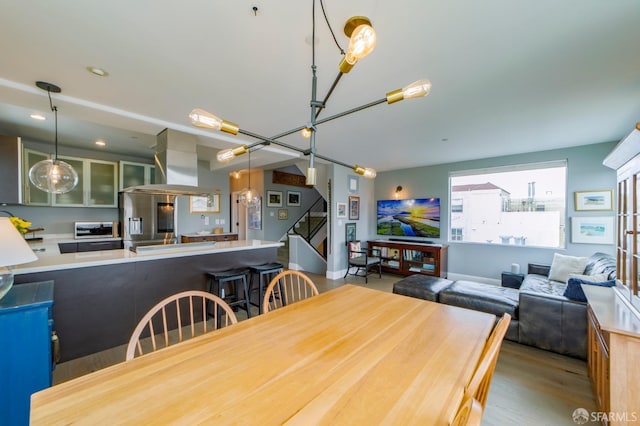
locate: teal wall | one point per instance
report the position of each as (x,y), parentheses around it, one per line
(585,172)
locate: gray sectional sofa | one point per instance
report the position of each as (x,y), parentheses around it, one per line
(541,315)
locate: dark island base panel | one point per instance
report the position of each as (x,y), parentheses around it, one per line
(97,308)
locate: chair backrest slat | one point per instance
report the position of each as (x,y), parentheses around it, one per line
(160,313)
(288,287)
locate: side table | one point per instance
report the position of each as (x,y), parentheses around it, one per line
(26,328)
(511,280)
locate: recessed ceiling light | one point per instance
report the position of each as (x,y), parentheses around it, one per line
(97,71)
(37,116)
(100,143)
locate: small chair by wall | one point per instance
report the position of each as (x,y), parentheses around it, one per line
(364,260)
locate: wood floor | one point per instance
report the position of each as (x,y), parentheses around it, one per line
(530,386)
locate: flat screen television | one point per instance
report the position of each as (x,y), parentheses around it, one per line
(418,217)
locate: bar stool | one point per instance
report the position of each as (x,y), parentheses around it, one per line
(234,278)
(265,274)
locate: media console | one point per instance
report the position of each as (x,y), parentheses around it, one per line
(407,258)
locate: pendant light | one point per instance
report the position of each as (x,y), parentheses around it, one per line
(53,175)
(249,196)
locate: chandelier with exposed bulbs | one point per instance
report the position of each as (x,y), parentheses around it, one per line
(362,40)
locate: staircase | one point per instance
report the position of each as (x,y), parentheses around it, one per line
(312,228)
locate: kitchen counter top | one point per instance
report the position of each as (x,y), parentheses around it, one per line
(49,242)
(54,261)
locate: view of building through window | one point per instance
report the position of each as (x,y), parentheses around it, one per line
(515,205)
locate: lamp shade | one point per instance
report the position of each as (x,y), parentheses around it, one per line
(14,250)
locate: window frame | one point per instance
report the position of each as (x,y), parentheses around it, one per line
(560,201)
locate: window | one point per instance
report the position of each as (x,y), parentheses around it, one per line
(456,234)
(515,205)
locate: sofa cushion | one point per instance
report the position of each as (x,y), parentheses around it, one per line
(482,297)
(421,286)
(564,265)
(574,288)
(601,263)
(592,278)
(541,285)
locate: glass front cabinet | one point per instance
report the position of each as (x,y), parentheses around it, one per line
(30,194)
(97,183)
(134,174)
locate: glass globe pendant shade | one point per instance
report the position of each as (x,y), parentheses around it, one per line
(53,176)
(249,197)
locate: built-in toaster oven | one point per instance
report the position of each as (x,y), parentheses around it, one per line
(95,230)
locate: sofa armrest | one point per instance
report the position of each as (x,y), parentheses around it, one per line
(553,323)
(538,269)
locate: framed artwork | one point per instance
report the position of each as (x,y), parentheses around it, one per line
(274,198)
(283,214)
(594,200)
(354,208)
(208,204)
(353,184)
(592,230)
(254,215)
(350,232)
(341,210)
(293,198)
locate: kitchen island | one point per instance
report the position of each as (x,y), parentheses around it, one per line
(100,296)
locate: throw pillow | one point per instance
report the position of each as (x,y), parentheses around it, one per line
(354,246)
(595,278)
(563,265)
(574,288)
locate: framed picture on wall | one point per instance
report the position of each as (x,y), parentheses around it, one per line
(293,198)
(274,199)
(283,214)
(592,230)
(341,210)
(593,200)
(208,204)
(353,182)
(254,215)
(354,208)
(350,232)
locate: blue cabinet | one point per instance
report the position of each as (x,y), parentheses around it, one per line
(26,327)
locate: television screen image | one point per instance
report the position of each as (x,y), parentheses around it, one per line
(418,217)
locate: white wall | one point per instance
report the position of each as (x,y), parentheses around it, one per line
(585,172)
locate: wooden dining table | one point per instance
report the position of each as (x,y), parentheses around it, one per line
(351,355)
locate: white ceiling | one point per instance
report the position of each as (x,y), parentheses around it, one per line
(508,76)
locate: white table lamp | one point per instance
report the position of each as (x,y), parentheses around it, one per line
(14,250)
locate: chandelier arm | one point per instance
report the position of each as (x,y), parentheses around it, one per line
(265,140)
(326,98)
(351,111)
(340,163)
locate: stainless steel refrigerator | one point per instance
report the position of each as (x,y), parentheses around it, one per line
(147,219)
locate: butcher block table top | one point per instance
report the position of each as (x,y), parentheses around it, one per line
(351,355)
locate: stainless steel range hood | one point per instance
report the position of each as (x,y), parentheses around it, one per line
(176,166)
